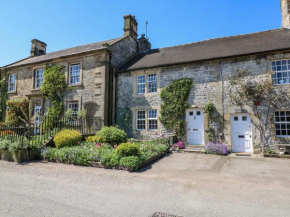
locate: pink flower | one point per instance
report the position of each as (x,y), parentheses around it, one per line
(115,146)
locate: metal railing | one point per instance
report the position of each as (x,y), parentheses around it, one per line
(38,134)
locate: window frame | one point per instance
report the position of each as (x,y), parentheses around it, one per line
(137,83)
(140,119)
(36,79)
(70,74)
(282,71)
(285,122)
(9,83)
(75,113)
(152,119)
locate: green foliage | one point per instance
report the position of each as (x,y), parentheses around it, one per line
(98,139)
(130,162)
(53,87)
(112,135)
(209,109)
(127,149)
(111,159)
(14,145)
(3,92)
(174,103)
(67,138)
(18,111)
(4,144)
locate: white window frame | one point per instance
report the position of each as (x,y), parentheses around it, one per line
(152,119)
(73,78)
(280,68)
(11,83)
(141,84)
(140,119)
(70,105)
(38,79)
(152,82)
(282,122)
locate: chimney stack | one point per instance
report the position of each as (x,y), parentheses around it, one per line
(285,9)
(37,48)
(130,26)
(143,44)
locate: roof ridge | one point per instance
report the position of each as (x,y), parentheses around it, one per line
(211,39)
(119,38)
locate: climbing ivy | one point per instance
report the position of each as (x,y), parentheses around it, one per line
(174,103)
(53,87)
(209,109)
(3,92)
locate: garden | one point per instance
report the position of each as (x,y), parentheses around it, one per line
(109,149)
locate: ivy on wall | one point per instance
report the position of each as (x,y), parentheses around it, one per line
(174,103)
(3,92)
(53,87)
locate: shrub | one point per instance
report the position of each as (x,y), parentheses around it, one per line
(130,162)
(112,135)
(127,149)
(4,144)
(111,159)
(216,148)
(96,138)
(67,138)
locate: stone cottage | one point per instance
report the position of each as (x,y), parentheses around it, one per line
(208,63)
(88,69)
(120,80)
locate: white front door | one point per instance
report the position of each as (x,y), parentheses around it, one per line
(37,110)
(241,133)
(195,127)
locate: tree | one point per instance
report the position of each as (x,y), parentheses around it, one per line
(261,95)
(53,88)
(174,103)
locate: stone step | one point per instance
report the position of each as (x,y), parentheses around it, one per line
(196,150)
(194,146)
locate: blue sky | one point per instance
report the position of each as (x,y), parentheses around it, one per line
(66,23)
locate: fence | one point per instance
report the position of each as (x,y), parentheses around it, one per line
(39,133)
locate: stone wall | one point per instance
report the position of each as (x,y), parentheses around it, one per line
(210,80)
(123,50)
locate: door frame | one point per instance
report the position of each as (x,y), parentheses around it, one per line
(186,125)
(231,127)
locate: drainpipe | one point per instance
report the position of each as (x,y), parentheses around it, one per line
(223,99)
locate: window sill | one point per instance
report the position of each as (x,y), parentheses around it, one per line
(75,85)
(145,94)
(11,92)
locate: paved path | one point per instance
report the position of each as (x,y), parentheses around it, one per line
(182,184)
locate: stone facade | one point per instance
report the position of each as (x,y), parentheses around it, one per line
(210,85)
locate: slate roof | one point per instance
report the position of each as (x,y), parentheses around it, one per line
(260,42)
(65,52)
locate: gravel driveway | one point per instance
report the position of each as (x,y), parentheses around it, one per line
(181,184)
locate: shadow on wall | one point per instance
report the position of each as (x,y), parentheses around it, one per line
(91,108)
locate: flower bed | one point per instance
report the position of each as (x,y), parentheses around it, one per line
(131,156)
